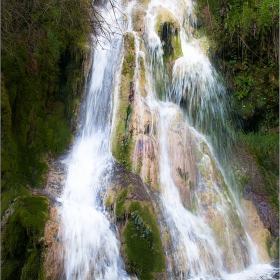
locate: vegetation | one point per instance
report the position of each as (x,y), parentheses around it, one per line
(244,44)
(44,44)
(245,47)
(143,246)
(265,149)
(22,239)
(120,207)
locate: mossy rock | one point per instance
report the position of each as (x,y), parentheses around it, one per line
(142,243)
(163,16)
(22,238)
(168,28)
(142,246)
(120,206)
(142,76)
(122,143)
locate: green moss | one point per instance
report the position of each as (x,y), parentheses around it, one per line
(143,246)
(30,269)
(122,146)
(193,207)
(265,147)
(127,121)
(111,197)
(128,65)
(148,179)
(120,207)
(274,249)
(191,185)
(9,195)
(21,238)
(122,152)
(142,76)
(168,29)
(41,79)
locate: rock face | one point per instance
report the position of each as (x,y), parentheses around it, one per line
(52,255)
(257,188)
(264,208)
(255,227)
(53,260)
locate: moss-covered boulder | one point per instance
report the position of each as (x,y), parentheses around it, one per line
(136,218)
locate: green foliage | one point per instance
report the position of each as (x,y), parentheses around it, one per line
(244,85)
(43,45)
(244,42)
(265,147)
(143,246)
(9,195)
(21,238)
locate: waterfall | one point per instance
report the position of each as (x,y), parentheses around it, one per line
(189,124)
(205,241)
(91,249)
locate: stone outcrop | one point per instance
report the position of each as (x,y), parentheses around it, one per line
(133,209)
(52,254)
(264,208)
(255,228)
(256,189)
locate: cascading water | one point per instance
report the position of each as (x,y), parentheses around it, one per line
(207,239)
(199,250)
(91,249)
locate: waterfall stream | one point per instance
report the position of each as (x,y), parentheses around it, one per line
(91,248)
(207,237)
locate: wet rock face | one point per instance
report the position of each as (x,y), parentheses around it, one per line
(255,228)
(56,179)
(52,255)
(264,209)
(257,189)
(182,158)
(124,178)
(168,29)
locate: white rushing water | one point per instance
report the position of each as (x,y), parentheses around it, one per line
(197,251)
(91,249)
